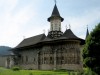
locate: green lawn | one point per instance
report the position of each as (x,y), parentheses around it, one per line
(4,71)
(30,72)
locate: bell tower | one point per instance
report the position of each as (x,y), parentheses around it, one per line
(55,23)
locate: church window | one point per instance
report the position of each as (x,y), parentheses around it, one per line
(22,59)
(62,60)
(58,60)
(78,58)
(51,27)
(51,24)
(59,28)
(51,60)
(26,58)
(45,60)
(34,60)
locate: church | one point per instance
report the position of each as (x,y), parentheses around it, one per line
(57,50)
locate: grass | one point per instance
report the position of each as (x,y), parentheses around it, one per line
(4,71)
(30,72)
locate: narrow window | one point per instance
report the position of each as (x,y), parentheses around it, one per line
(51,61)
(26,58)
(22,59)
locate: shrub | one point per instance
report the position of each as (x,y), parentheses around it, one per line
(60,70)
(15,68)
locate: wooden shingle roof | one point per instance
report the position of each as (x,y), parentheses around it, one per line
(69,34)
(42,38)
(87,33)
(31,41)
(55,12)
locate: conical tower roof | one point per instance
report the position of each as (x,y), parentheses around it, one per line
(69,34)
(87,33)
(55,12)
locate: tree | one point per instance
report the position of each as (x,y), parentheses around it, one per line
(91,51)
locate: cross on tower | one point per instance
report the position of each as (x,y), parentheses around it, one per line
(55,1)
(87,26)
(23,37)
(69,26)
(66,27)
(44,31)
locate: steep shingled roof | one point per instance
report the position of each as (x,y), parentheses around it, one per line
(32,40)
(55,12)
(87,33)
(69,34)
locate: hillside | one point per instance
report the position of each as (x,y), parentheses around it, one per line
(4,50)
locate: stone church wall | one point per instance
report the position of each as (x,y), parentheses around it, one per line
(68,56)
(46,67)
(6,61)
(29,59)
(50,57)
(3,61)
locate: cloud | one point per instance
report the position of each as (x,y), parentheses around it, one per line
(7,5)
(20,18)
(11,24)
(79,23)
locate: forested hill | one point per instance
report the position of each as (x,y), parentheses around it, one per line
(4,50)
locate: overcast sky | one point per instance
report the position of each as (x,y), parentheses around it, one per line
(21,19)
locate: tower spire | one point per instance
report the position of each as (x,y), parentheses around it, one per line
(87,33)
(55,13)
(55,23)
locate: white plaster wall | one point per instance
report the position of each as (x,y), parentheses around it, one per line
(32,59)
(55,24)
(3,61)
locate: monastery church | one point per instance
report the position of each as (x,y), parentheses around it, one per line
(57,50)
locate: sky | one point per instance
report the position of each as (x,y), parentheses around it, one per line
(20,19)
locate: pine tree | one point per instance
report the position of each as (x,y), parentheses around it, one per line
(91,51)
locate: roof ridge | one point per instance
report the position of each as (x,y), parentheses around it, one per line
(31,41)
(34,36)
